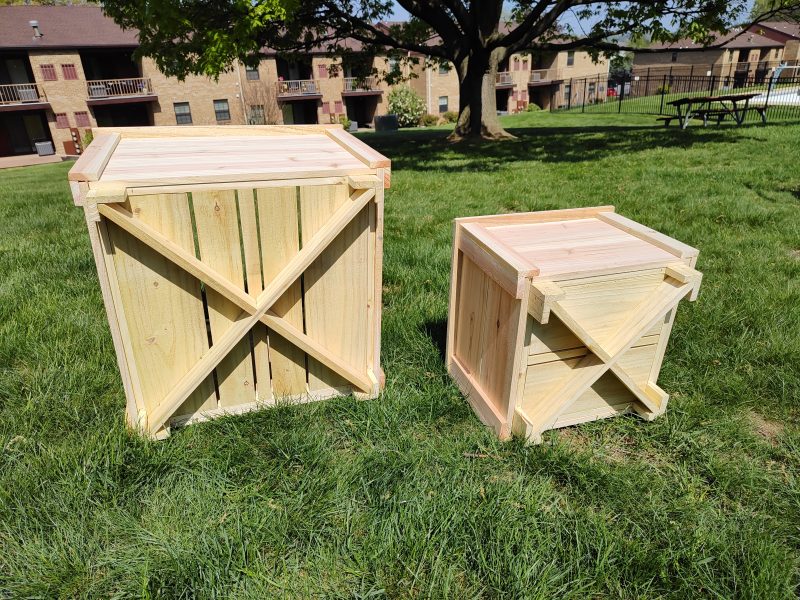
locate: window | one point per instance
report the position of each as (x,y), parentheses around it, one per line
(322,71)
(444,68)
(516,64)
(524,64)
(62,121)
(82,119)
(674,57)
(222,110)
(183,114)
(49,72)
(591,90)
(69,71)
(570,58)
(326,108)
(252,73)
(394,65)
(338,109)
(257,116)
(567,91)
(443,104)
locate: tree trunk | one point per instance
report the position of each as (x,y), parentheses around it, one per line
(477,116)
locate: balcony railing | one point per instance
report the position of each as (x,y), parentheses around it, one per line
(541,75)
(504,78)
(361,84)
(21,93)
(116,88)
(297,87)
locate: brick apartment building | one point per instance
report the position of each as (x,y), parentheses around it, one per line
(64,69)
(743,56)
(523,78)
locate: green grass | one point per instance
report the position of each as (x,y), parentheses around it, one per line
(408,495)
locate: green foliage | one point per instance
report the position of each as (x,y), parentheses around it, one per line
(784,10)
(532,107)
(663,89)
(429,120)
(407,105)
(344,121)
(409,495)
(450,116)
(88,136)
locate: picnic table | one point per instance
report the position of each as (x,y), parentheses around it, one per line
(735,106)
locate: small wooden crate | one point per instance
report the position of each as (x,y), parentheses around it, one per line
(562,317)
(239,265)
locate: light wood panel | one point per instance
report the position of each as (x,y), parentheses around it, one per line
(280,241)
(219,245)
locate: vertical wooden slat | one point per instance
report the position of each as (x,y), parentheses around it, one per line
(220,247)
(169,214)
(161,302)
(280,241)
(336,295)
(252,272)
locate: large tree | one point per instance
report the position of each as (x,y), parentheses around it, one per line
(205,37)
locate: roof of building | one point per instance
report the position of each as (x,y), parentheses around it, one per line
(61,27)
(732,40)
(784,27)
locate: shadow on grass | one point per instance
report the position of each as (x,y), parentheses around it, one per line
(437,331)
(422,150)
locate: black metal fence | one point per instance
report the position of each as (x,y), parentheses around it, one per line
(779,92)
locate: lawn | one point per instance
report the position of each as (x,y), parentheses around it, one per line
(409,495)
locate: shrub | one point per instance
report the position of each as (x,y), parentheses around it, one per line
(429,120)
(345,122)
(88,136)
(532,107)
(662,89)
(451,116)
(407,105)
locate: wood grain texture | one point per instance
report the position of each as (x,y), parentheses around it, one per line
(336,294)
(280,242)
(219,244)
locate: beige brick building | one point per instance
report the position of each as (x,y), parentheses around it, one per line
(743,55)
(522,79)
(65,69)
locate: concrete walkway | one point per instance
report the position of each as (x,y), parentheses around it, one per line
(25,160)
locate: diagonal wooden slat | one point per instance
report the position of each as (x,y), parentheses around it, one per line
(220,284)
(589,369)
(251,314)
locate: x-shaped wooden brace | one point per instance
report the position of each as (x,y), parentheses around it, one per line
(254,310)
(680,280)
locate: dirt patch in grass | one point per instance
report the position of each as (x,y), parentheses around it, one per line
(767,429)
(795,254)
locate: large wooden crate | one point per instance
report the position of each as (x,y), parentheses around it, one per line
(562,317)
(239,265)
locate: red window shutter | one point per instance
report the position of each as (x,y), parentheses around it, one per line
(326,108)
(69,71)
(338,105)
(322,71)
(516,64)
(82,119)
(48,72)
(62,121)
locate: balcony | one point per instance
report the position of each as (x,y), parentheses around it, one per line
(119,91)
(544,77)
(22,96)
(298,89)
(361,86)
(503,79)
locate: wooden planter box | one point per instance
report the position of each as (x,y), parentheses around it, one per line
(239,265)
(562,317)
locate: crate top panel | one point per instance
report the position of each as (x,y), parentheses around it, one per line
(572,243)
(144,156)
